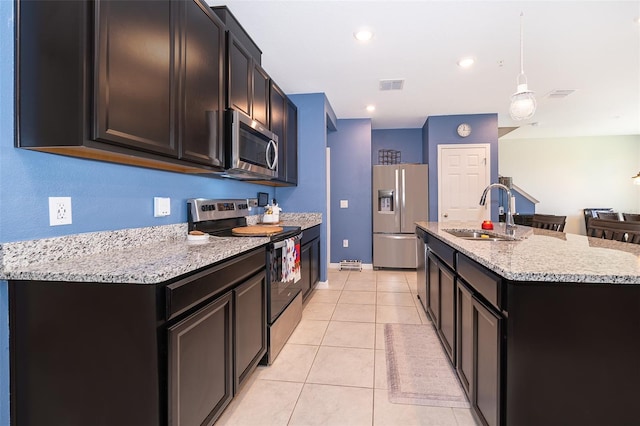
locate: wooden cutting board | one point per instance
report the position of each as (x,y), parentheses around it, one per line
(256,230)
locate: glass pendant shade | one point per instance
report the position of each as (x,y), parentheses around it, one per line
(523,103)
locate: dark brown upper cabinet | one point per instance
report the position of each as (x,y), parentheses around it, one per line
(284,123)
(136,83)
(135,75)
(248,82)
(260,101)
(203,88)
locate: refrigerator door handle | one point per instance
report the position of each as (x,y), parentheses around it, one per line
(395,199)
(403,201)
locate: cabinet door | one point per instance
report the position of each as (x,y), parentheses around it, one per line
(277,111)
(305,266)
(135,102)
(201,364)
(486,384)
(421,270)
(433,286)
(240,75)
(203,90)
(250,326)
(315,262)
(260,101)
(291,138)
(464,337)
(447,327)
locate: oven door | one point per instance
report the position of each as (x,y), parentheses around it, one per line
(254,148)
(280,293)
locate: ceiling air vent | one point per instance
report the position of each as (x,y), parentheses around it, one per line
(560,93)
(391,84)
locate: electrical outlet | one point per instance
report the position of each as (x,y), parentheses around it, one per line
(344,204)
(59,211)
(345,243)
(161,206)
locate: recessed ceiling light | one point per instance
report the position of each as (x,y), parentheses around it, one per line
(466,62)
(371,108)
(363,35)
(637,20)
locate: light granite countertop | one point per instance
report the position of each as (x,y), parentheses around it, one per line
(547,256)
(137,256)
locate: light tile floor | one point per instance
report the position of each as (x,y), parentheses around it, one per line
(332,371)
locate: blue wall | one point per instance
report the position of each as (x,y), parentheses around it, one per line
(442,130)
(407,141)
(311,193)
(351,180)
(6,137)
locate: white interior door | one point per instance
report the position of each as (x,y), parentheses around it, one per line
(463,173)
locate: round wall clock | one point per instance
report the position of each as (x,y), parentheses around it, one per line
(464,130)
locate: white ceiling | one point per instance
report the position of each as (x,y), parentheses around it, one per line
(590,46)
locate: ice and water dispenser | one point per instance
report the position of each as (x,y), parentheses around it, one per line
(385,201)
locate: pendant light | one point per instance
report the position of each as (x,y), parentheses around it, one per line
(523,102)
(636,179)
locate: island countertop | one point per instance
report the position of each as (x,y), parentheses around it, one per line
(130,256)
(546,256)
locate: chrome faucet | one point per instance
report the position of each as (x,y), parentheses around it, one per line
(510,226)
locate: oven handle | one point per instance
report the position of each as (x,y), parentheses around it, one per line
(282,243)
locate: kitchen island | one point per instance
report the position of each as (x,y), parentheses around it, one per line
(543,329)
(138,326)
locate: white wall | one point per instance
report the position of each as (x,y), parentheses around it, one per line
(569,174)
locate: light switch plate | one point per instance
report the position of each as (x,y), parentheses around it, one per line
(161,206)
(344,204)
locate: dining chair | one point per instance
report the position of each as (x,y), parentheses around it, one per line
(549,221)
(617,230)
(608,215)
(631,217)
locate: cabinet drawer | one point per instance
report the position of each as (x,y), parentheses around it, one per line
(198,287)
(481,280)
(310,234)
(443,251)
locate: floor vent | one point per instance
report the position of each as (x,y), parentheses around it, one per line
(391,84)
(351,265)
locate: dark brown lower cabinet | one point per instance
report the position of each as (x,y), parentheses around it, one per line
(105,354)
(421,267)
(442,303)
(433,290)
(250,303)
(201,363)
(537,353)
(448,312)
(310,259)
(486,359)
(464,338)
(478,353)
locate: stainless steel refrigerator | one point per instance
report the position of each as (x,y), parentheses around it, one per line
(400,198)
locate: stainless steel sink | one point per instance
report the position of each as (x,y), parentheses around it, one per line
(478,235)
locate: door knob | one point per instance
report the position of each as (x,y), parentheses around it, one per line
(446,215)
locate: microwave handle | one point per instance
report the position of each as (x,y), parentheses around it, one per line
(272,145)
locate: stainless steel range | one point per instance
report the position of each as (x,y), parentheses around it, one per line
(228,218)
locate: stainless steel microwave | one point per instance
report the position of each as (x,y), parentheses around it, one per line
(252,148)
